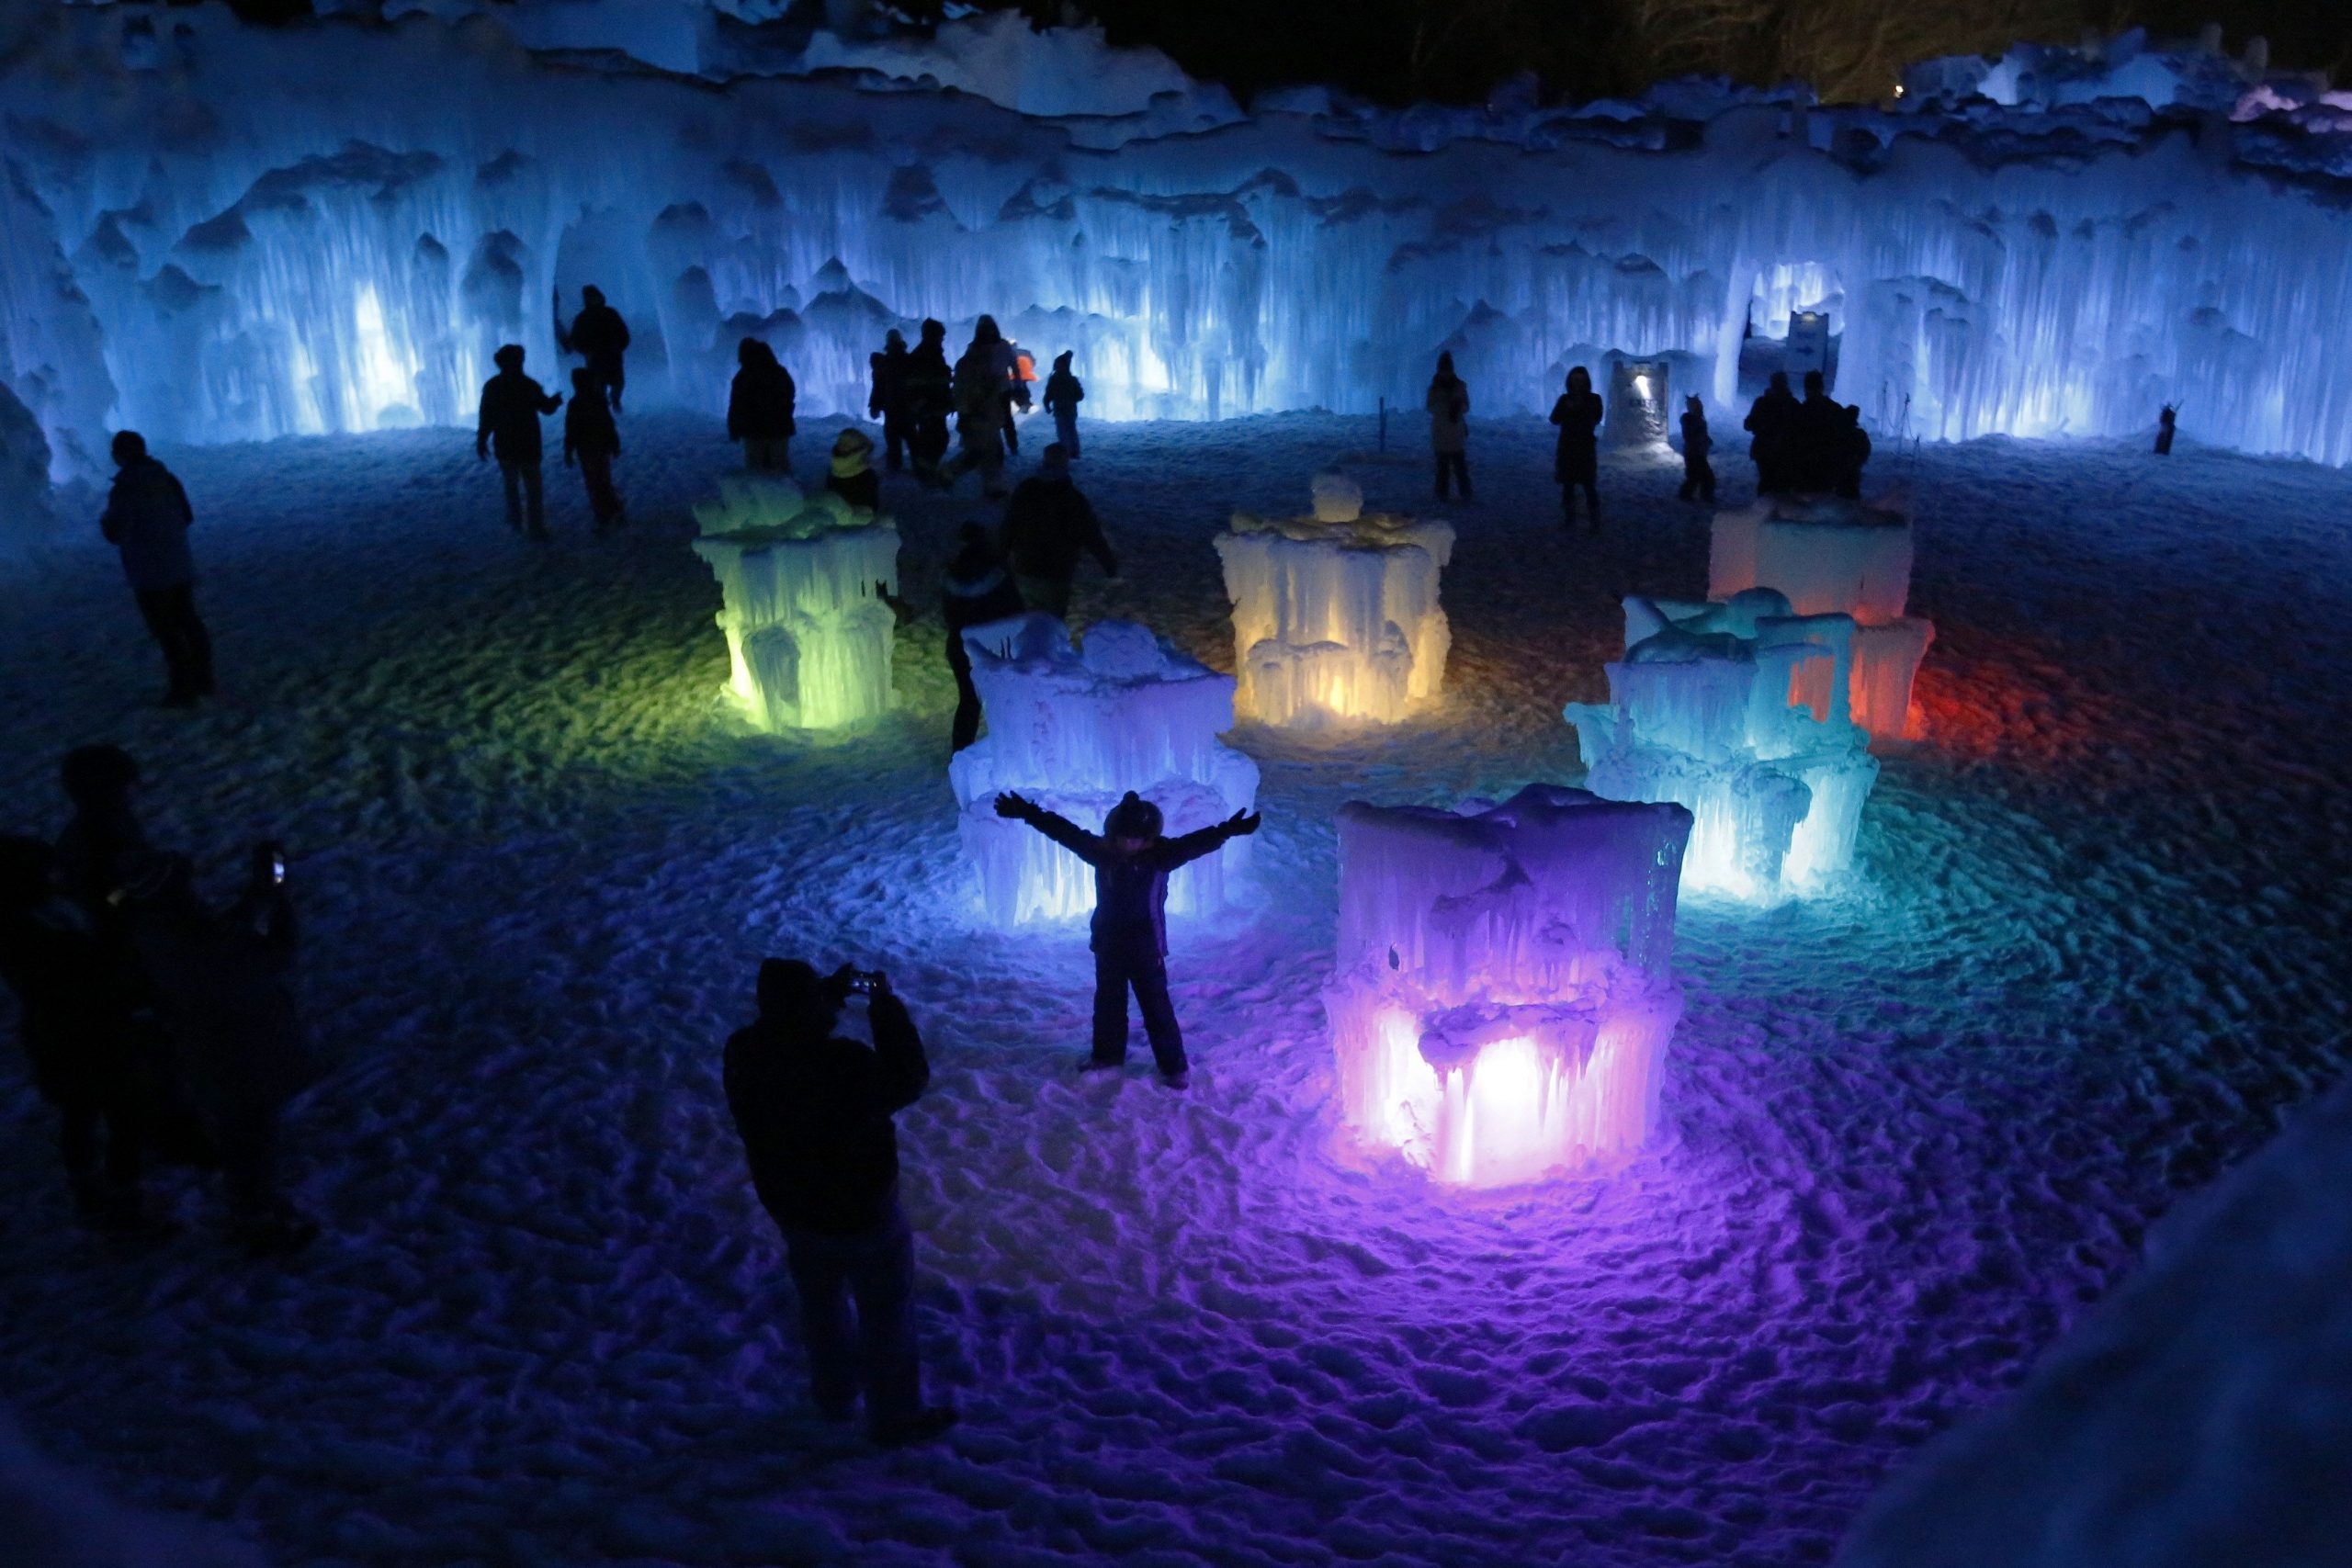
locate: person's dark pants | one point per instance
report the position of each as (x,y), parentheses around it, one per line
(967,695)
(927,443)
(768,454)
(898,437)
(524,479)
(171,616)
(596,473)
(123,1160)
(608,374)
(1457,465)
(1697,479)
(1569,489)
(1011,435)
(877,1269)
(1066,432)
(1145,973)
(1046,595)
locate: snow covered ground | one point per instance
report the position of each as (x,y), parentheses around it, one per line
(1911,1130)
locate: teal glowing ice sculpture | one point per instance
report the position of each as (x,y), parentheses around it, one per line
(1505,996)
(1073,728)
(802,580)
(1699,712)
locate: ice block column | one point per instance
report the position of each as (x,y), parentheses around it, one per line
(1700,712)
(801,579)
(1504,994)
(1835,557)
(1073,729)
(1335,614)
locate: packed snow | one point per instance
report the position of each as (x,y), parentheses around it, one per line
(2089,953)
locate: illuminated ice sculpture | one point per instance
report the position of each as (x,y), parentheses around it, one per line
(1335,616)
(1073,729)
(1504,994)
(1699,714)
(809,635)
(1835,557)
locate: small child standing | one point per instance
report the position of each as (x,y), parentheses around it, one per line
(1064,392)
(1698,474)
(591,437)
(1131,862)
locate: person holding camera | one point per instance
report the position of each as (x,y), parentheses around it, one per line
(814,1111)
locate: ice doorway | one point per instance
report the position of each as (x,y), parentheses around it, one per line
(1796,315)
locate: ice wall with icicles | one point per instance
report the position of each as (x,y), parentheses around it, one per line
(218,233)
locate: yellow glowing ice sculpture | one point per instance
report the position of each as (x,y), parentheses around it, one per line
(1505,995)
(809,636)
(1835,557)
(1335,616)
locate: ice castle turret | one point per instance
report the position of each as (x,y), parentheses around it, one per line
(1504,994)
(1335,615)
(809,634)
(1073,729)
(1699,712)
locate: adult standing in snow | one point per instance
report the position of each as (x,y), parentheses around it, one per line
(759,408)
(886,398)
(1048,525)
(592,440)
(1698,474)
(1449,405)
(929,391)
(1820,435)
(849,473)
(981,421)
(1064,392)
(511,405)
(814,1111)
(1129,932)
(2165,422)
(1001,365)
(600,336)
(1773,422)
(1576,461)
(979,589)
(147,519)
(1853,451)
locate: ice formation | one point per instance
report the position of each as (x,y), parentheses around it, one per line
(802,580)
(1335,615)
(1702,711)
(26,513)
(202,238)
(1504,992)
(1073,729)
(1834,557)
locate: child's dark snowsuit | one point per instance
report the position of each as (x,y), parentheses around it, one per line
(1064,392)
(1698,474)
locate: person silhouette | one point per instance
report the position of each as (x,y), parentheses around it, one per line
(1576,461)
(509,424)
(600,336)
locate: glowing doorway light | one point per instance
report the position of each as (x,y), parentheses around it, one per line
(1504,995)
(1335,616)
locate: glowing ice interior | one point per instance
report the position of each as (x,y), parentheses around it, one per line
(801,579)
(1504,992)
(1831,556)
(1335,614)
(1699,712)
(1073,728)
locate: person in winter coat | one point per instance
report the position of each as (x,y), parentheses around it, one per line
(759,408)
(1819,437)
(1132,861)
(511,405)
(1576,461)
(592,440)
(848,473)
(600,336)
(1064,392)
(886,400)
(930,389)
(1449,405)
(1853,452)
(979,589)
(1773,422)
(147,519)
(1001,364)
(981,422)
(1048,525)
(2166,422)
(814,1111)
(1698,474)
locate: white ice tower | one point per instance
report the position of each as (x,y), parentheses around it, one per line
(1835,557)
(1504,993)
(1335,614)
(1700,712)
(1073,729)
(809,635)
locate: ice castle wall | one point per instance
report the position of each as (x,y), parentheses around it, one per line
(330,226)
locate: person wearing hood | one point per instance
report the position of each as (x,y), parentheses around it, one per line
(886,398)
(1576,460)
(929,387)
(147,519)
(511,403)
(1449,407)
(1773,422)
(849,474)
(981,421)
(1064,392)
(759,408)
(600,336)
(979,589)
(592,440)
(1003,363)
(1698,474)
(1048,525)
(1129,934)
